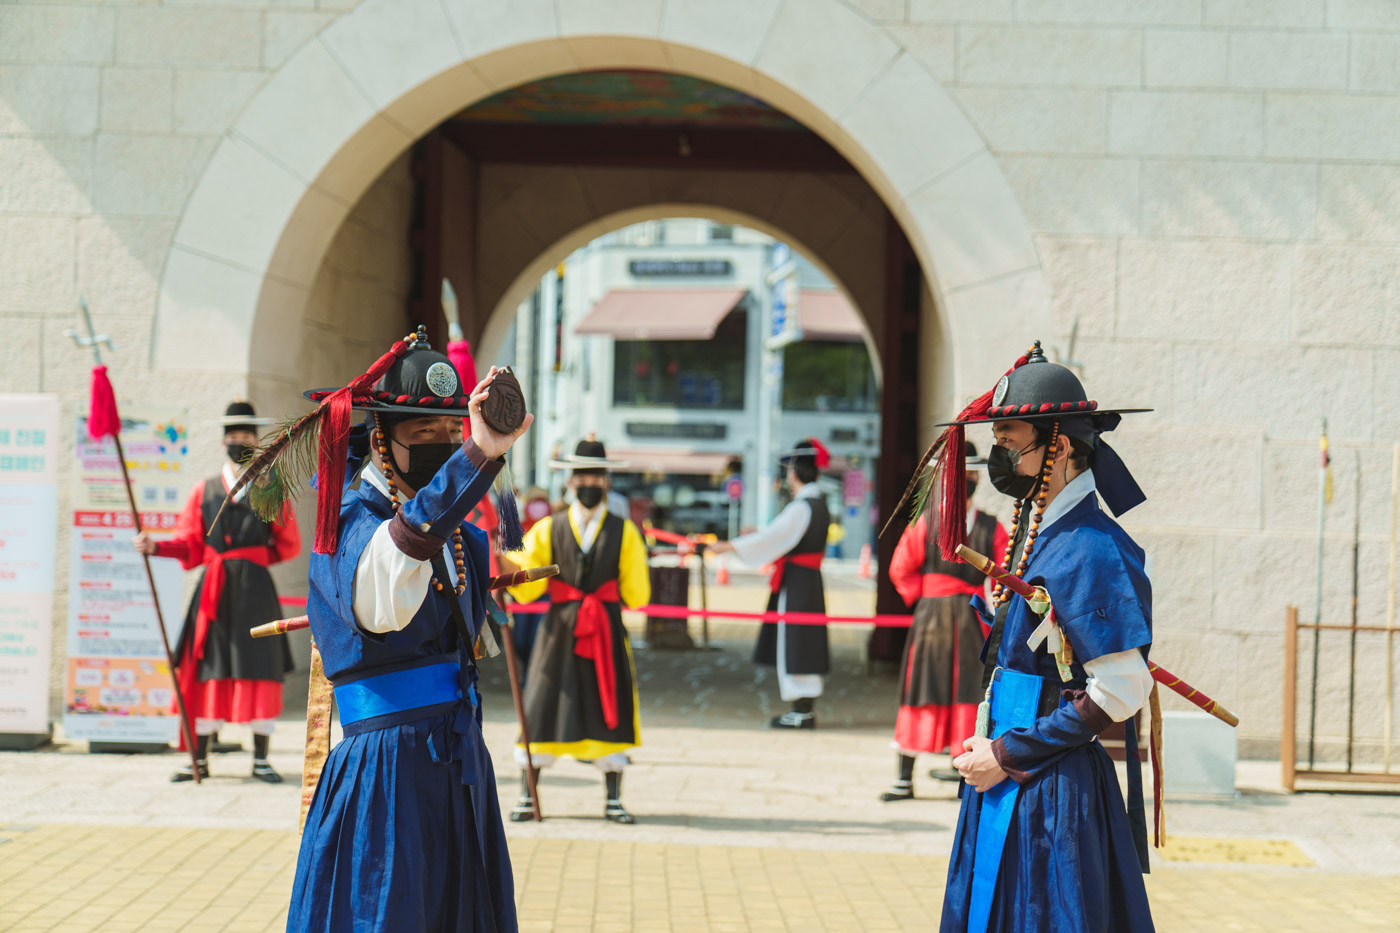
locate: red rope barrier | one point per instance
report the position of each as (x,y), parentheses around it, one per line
(793,618)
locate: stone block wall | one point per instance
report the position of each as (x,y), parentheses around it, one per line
(1208,190)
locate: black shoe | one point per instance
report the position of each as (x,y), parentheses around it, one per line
(186,773)
(945,774)
(794,720)
(899,790)
(615,812)
(524,810)
(265,772)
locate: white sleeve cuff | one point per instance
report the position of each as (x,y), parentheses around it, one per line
(1119,683)
(389,585)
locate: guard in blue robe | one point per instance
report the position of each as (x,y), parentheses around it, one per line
(404,832)
(1043,841)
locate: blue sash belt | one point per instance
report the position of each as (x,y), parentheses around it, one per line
(398,692)
(1015,705)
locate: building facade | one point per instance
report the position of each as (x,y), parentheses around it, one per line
(662,334)
(1202,191)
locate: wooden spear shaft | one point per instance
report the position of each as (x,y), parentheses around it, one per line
(532,774)
(160,617)
(1390,604)
(95,341)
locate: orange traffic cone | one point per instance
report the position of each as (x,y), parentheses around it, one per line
(864,568)
(722,571)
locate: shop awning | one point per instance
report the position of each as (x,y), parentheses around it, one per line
(672,461)
(827,315)
(661,313)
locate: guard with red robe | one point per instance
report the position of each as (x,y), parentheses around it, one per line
(940,685)
(225,674)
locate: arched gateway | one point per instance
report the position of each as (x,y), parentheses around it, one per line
(379,79)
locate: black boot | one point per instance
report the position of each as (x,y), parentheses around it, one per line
(801,716)
(903,787)
(262,770)
(613,809)
(201,752)
(524,810)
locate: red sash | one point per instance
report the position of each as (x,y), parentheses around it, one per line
(593,637)
(810,561)
(210,594)
(936,585)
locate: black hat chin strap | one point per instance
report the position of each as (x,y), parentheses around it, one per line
(1115,482)
(1120,492)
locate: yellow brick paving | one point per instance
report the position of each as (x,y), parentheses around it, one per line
(122,879)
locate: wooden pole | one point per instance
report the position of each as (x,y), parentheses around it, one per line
(1387,730)
(532,775)
(1355,588)
(1321,529)
(1288,742)
(95,341)
(185,729)
(704,601)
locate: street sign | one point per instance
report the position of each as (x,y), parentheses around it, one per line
(734,487)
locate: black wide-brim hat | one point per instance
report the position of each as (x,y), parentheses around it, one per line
(1040,390)
(421,382)
(241,414)
(590,456)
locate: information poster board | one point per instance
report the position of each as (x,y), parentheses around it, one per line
(118,683)
(28,535)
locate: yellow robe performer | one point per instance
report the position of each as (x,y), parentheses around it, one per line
(580,689)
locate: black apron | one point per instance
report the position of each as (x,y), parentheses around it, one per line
(805,645)
(941,663)
(562,702)
(249,598)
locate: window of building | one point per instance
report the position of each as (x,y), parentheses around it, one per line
(824,375)
(721,233)
(684,373)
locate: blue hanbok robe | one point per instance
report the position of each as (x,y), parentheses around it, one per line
(1068,864)
(404,833)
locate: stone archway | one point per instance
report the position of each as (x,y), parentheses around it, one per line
(350,101)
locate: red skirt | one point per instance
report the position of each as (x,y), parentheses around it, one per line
(935,728)
(235,700)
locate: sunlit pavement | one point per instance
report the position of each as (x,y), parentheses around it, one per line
(739,827)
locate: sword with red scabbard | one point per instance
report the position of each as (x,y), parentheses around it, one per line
(1037,595)
(319,691)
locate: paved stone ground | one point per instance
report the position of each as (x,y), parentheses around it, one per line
(740,828)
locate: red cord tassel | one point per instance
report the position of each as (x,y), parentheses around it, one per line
(103,420)
(334,440)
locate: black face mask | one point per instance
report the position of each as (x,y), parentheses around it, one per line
(424,460)
(236,452)
(1001,470)
(589,496)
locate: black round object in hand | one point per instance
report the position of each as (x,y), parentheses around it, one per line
(504,407)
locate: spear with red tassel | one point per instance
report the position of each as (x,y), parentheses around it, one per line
(104,421)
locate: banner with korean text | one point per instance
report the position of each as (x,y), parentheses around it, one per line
(28,534)
(118,684)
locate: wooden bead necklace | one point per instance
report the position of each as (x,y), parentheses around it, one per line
(457,555)
(1003,594)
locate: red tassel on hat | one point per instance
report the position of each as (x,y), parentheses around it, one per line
(334,440)
(103,420)
(823,456)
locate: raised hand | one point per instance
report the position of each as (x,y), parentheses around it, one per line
(491,443)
